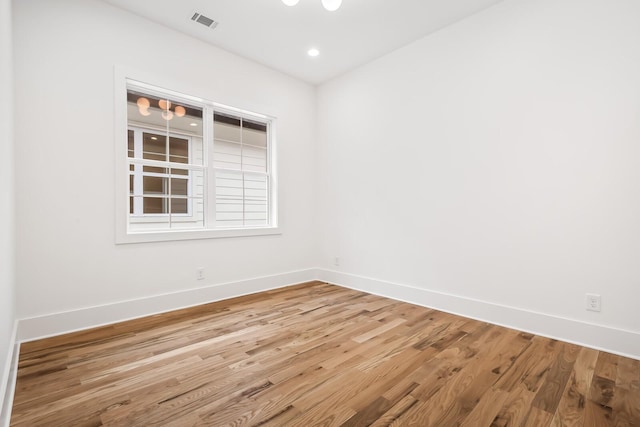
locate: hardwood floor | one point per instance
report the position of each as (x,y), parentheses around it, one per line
(319,355)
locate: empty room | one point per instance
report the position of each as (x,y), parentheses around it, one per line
(320,213)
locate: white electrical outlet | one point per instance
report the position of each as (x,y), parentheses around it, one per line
(594,302)
(200,273)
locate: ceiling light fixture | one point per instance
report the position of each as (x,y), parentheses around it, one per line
(180,111)
(143,106)
(313,52)
(165,107)
(165,104)
(167,115)
(330,5)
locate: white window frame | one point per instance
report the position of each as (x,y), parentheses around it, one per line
(138,215)
(126,78)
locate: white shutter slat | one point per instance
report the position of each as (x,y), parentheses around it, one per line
(240,160)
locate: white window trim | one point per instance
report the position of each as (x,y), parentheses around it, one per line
(123,236)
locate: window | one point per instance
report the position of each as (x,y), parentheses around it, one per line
(240,162)
(195,169)
(158,190)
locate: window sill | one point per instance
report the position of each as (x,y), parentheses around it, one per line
(168,236)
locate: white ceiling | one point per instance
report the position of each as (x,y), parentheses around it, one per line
(278,36)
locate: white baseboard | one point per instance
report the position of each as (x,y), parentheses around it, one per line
(8,385)
(90,317)
(618,341)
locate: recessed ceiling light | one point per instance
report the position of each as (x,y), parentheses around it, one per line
(313,52)
(331,5)
(193,124)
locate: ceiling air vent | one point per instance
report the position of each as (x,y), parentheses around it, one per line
(204,20)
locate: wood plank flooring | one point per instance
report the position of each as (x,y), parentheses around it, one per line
(319,355)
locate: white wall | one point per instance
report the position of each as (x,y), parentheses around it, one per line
(7,300)
(496,160)
(65,52)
